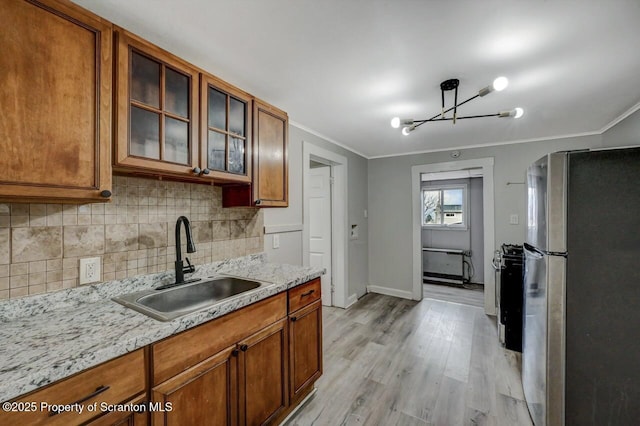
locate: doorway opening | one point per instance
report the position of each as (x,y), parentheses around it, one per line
(452,236)
(443,227)
(324,235)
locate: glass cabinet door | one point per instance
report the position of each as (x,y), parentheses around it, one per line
(227,119)
(160,113)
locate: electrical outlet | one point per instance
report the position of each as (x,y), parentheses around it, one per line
(276,241)
(90,270)
(514,219)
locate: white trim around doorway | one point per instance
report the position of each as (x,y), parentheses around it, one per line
(489,223)
(339,215)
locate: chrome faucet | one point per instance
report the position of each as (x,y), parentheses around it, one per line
(191,248)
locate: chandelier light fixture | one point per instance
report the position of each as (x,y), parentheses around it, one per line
(499,84)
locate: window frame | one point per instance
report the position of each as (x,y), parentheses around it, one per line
(465,207)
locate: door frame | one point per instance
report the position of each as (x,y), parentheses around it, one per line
(339,215)
(486,164)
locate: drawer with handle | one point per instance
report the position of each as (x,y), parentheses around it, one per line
(67,401)
(303,295)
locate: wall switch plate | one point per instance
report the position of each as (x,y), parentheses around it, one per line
(90,270)
(276,241)
(354,232)
(366,213)
(513,219)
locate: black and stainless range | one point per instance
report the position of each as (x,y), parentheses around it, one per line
(509,263)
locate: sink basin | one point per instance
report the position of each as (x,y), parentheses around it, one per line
(165,305)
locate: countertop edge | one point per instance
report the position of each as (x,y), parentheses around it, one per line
(69,366)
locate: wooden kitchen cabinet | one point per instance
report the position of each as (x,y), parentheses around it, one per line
(305,345)
(263,375)
(204,394)
(225,153)
(127,417)
(156,110)
(232,370)
(55,99)
(305,338)
(270,180)
(113,382)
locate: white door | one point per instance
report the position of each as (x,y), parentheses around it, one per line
(320,226)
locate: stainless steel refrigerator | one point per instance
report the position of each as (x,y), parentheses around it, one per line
(581,342)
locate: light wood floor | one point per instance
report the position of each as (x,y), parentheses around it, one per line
(390,361)
(454,294)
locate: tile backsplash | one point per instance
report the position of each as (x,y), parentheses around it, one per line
(41,244)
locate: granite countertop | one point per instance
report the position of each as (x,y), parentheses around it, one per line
(48,337)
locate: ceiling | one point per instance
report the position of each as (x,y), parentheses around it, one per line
(343,68)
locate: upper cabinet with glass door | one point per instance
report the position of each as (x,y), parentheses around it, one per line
(226,128)
(157,105)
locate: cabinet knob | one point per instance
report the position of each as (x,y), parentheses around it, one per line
(258,202)
(197,170)
(294,319)
(105,194)
(206,171)
(244,348)
(234,352)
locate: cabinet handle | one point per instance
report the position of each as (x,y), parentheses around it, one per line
(308,293)
(105,194)
(294,319)
(206,171)
(234,352)
(95,393)
(196,170)
(244,348)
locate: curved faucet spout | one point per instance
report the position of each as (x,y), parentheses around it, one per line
(191,248)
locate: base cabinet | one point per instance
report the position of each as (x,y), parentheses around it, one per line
(263,375)
(305,345)
(131,417)
(203,395)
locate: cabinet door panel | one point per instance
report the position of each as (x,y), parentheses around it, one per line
(145,133)
(226,124)
(145,80)
(263,375)
(271,156)
(305,342)
(156,110)
(204,394)
(55,99)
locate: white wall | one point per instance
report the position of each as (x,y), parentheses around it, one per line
(390,216)
(290,250)
(390,234)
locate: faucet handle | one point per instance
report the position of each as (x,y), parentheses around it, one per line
(189,269)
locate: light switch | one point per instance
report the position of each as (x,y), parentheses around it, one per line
(513,219)
(276,241)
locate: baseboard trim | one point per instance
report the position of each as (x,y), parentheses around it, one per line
(351,300)
(390,292)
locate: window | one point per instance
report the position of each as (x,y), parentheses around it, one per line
(444,206)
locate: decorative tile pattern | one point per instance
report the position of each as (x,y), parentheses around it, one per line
(134,234)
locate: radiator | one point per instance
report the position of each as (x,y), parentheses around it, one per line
(445,265)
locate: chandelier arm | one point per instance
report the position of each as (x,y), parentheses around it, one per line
(468,116)
(421,122)
(455,105)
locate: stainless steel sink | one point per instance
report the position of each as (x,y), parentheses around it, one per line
(175,302)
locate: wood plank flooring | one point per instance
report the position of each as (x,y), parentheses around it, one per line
(390,361)
(454,294)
